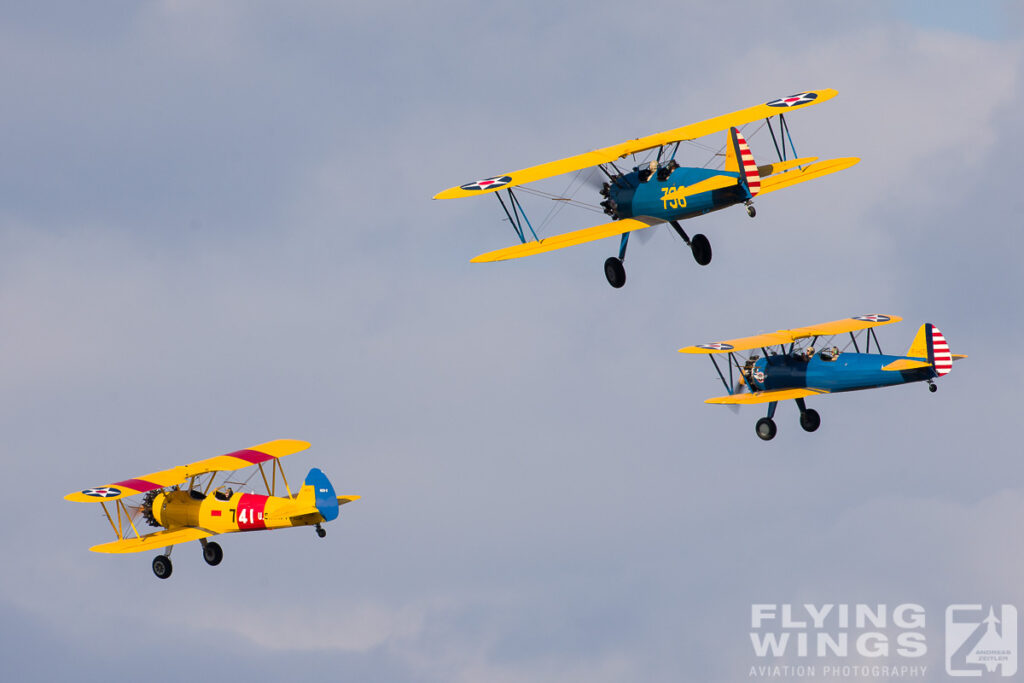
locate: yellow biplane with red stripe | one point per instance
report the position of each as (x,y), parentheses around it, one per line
(796,372)
(180,501)
(660,190)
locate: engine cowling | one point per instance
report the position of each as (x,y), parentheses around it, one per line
(173,509)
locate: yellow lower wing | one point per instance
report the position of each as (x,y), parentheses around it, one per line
(568,239)
(815,170)
(765,396)
(159,539)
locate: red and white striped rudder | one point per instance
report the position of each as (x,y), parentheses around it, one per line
(748,167)
(938,350)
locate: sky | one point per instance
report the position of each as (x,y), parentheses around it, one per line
(216,229)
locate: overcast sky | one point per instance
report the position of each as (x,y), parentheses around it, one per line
(216,229)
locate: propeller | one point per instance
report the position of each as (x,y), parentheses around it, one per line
(738,387)
(596,180)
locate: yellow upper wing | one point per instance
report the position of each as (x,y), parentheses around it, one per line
(606,154)
(860,322)
(182,473)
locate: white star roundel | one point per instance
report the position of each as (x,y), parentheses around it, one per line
(487,183)
(722,346)
(102,492)
(873,318)
(793,100)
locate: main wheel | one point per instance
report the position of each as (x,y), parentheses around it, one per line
(810,420)
(213,553)
(701,249)
(766,428)
(615,272)
(162,566)
(751,211)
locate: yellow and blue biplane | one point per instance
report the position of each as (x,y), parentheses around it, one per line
(662,191)
(797,372)
(180,501)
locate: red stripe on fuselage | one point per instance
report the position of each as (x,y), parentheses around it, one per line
(249,513)
(139,485)
(251,456)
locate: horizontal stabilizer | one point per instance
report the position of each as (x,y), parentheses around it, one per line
(780,166)
(765,396)
(347,499)
(158,539)
(906,364)
(568,239)
(810,172)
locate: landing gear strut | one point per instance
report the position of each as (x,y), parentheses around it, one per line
(699,245)
(320,531)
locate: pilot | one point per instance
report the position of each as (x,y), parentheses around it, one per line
(809,353)
(665,171)
(648,172)
(224,493)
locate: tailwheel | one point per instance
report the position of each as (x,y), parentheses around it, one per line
(766,428)
(701,248)
(320,531)
(810,420)
(162,566)
(932,386)
(213,553)
(615,272)
(751,211)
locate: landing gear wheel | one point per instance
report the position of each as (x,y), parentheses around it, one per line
(751,211)
(766,428)
(320,531)
(932,388)
(810,420)
(213,553)
(162,566)
(615,272)
(701,248)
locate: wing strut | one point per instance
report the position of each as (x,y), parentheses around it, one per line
(783,135)
(728,386)
(517,211)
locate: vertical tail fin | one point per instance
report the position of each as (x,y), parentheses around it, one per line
(739,159)
(323,494)
(931,344)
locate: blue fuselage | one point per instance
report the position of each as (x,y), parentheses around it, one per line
(849,372)
(661,198)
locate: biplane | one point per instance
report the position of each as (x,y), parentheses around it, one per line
(788,367)
(661,190)
(181,503)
